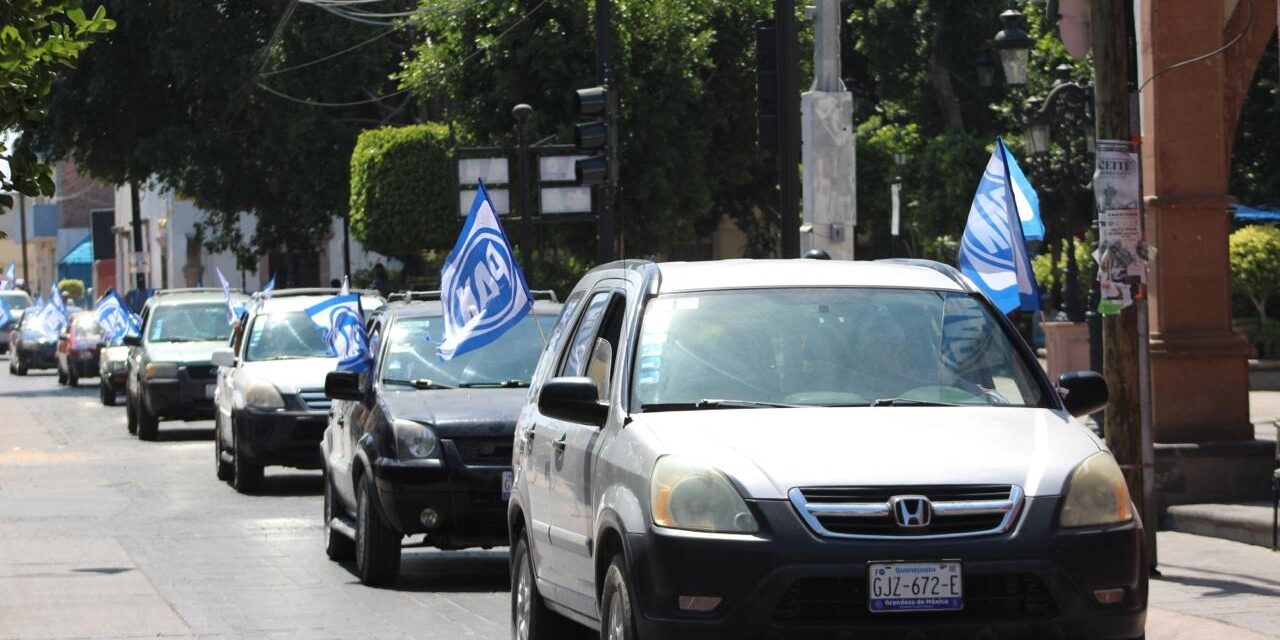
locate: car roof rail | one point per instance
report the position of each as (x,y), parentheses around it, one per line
(311,291)
(940,267)
(167,292)
(435,295)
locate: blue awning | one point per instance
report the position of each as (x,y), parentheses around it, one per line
(1246,213)
(80,254)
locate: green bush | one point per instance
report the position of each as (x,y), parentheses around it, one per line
(403,202)
(72,288)
(1255,273)
(1047,273)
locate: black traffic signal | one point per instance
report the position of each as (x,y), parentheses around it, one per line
(592,137)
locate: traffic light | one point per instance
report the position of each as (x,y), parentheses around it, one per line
(593,137)
(767,85)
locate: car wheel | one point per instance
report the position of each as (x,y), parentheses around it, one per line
(148,423)
(618,622)
(130,416)
(377,544)
(107,394)
(223,470)
(337,546)
(530,617)
(22,368)
(246,474)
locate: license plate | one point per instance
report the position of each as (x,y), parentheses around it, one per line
(506,485)
(209,389)
(914,586)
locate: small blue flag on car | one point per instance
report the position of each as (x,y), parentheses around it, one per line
(49,320)
(482,289)
(113,316)
(993,250)
(56,299)
(342,321)
(269,287)
(6,314)
(10,279)
(233,310)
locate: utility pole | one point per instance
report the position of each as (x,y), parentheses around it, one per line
(346,243)
(136,208)
(607,230)
(1111,64)
(22,226)
(522,112)
(784,16)
(826,117)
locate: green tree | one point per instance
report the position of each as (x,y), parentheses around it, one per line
(402,192)
(38,40)
(233,105)
(72,288)
(1255,265)
(1255,166)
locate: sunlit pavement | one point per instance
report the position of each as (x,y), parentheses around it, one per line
(102,535)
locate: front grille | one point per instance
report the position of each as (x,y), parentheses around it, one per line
(486,451)
(201,371)
(868,512)
(314,399)
(1017,596)
(310,431)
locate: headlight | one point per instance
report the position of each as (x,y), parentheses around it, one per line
(263,395)
(1096,494)
(161,370)
(413,441)
(687,495)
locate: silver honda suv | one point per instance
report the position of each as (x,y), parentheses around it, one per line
(803,448)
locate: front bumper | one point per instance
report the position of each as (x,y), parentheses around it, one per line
(787,582)
(83,363)
(188,396)
(285,438)
(466,494)
(44,356)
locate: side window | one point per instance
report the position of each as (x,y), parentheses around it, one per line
(595,343)
(580,346)
(548,361)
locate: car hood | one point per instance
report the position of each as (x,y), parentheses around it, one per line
(115,353)
(770,451)
(198,352)
(291,376)
(456,412)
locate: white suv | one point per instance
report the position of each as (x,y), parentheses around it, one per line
(803,448)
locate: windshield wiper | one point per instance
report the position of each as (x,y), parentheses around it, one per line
(717,403)
(419,383)
(908,402)
(505,384)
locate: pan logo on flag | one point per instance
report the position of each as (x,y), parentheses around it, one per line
(487,283)
(345,335)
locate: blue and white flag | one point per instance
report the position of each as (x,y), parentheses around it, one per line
(234,310)
(1024,197)
(342,321)
(269,287)
(993,250)
(482,289)
(49,321)
(346,286)
(6,314)
(10,277)
(57,301)
(114,317)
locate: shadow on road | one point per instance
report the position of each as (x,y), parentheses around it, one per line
(1227,585)
(183,434)
(292,484)
(54,390)
(431,570)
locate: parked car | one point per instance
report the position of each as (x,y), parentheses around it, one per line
(421,446)
(78,348)
(170,373)
(18,302)
(31,348)
(271,407)
(805,448)
(113,365)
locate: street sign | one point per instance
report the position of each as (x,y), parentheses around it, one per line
(556,200)
(501,199)
(491,170)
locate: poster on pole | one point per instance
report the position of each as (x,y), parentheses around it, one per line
(1121,253)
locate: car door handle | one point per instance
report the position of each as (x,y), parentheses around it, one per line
(528,435)
(559,443)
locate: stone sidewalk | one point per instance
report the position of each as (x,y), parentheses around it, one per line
(1214,588)
(1264,411)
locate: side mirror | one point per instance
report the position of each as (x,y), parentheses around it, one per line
(573,400)
(131,341)
(1083,392)
(343,385)
(64,336)
(224,358)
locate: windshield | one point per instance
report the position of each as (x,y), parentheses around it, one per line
(829,347)
(411,354)
(283,336)
(86,326)
(189,323)
(16,300)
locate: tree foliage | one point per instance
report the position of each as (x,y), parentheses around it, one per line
(1255,167)
(402,191)
(72,288)
(38,40)
(179,94)
(1255,264)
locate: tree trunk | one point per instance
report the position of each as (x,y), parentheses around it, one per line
(943,91)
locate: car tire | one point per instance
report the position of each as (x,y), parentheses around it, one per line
(21,368)
(338,547)
(148,423)
(107,394)
(223,470)
(530,617)
(619,619)
(246,474)
(377,544)
(130,416)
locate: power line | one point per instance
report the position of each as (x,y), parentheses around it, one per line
(1248,23)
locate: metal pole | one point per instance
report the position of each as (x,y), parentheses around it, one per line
(22,225)
(346,243)
(134,204)
(522,112)
(606,229)
(784,15)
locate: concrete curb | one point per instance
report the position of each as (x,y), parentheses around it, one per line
(1248,523)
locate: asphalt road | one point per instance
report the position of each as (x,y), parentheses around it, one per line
(102,535)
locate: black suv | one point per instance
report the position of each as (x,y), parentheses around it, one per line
(170,372)
(420,446)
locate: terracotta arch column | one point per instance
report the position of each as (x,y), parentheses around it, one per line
(1199,372)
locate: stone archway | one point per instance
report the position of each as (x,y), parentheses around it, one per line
(1199,375)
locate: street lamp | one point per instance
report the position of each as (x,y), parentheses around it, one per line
(521,112)
(1014,46)
(986,65)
